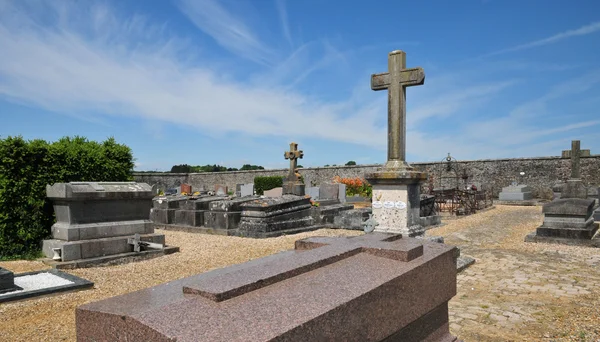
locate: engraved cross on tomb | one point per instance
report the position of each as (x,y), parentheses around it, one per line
(293,155)
(395,81)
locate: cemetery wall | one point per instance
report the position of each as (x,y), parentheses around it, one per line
(541,174)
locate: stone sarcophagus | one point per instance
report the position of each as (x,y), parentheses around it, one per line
(95,219)
(376,287)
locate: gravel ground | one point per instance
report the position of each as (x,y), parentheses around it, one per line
(494,238)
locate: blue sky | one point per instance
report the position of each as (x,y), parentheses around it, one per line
(233,82)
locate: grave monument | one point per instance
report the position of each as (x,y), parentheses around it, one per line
(396,192)
(94,221)
(375,287)
(569,220)
(292,184)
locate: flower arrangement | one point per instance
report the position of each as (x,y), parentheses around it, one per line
(355,186)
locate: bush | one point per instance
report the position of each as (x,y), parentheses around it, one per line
(262,183)
(355,186)
(26,215)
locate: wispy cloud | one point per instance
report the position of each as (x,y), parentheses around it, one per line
(584,30)
(228,30)
(285,26)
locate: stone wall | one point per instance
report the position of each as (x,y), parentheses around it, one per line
(540,173)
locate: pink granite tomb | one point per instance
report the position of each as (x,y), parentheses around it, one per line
(375,287)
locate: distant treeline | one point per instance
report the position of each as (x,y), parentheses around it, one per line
(185,168)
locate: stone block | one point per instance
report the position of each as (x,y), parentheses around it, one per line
(101,230)
(352,219)
(162,216)
(597,215)
(234,204)
(168,202)
(515,196)
(516,188)
(574,188)
(222,219)
(84,249)
(293,188)
(201,203)
(193,218)
(404,288)
(275,192)
(327,214)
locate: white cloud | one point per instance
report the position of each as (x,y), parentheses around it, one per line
(285,26)
(228,30)
(584,30)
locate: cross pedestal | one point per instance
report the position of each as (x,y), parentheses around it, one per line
(292,184)
(396,186)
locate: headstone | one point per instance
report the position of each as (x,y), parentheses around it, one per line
(95,219)
(186,188)
(247,190)
(321,291)
(238,190)
(313,192)
(396,189)
(329,191)
(342,193)
(274,216)
(220,190)
(275,192)
(292,184)
(516,193)
(566,221)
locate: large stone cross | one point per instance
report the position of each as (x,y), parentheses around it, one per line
(293,155)
(395,81)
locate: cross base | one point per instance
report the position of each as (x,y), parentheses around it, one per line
(397,165)
(397,201)
(293,188)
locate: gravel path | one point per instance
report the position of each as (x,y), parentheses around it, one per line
(515,292)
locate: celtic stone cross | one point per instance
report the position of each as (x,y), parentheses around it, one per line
(293,155)
(395,81)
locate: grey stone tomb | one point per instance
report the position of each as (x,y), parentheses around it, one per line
(95,219)
(292,184)
(516,193)
(7,281)
(396,192)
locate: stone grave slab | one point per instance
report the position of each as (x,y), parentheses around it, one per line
(275,192)
(274,216)
(220,190)
(313,192)
(188,213)
(402,285)
(94,221)
(325,215)
(39,283)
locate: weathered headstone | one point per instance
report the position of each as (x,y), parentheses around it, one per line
(313,192)
(321,291)
(220,190)
(275,192)
(292,184)
(95,219)
(396,190)
(247,190)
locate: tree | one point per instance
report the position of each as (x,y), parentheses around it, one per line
(251,167)
(352,162)
(299,166)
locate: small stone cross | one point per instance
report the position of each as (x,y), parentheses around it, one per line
(370,224)
(395,81)
(293,155)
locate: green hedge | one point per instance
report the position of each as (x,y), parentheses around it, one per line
(262,183)
(26,216)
